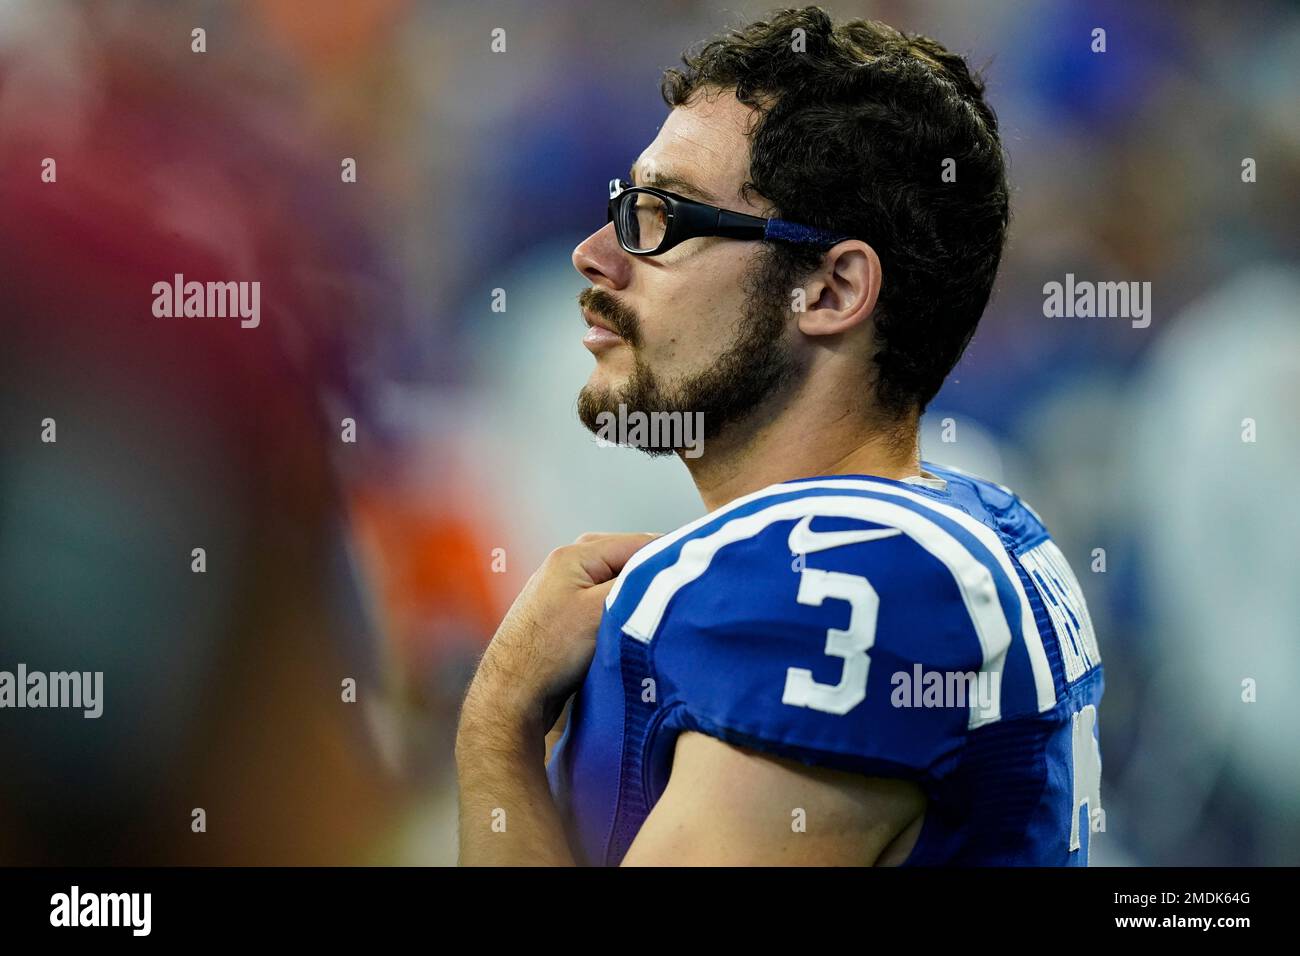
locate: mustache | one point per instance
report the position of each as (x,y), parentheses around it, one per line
(618,316)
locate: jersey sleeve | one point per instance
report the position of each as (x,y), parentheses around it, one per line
(869,654)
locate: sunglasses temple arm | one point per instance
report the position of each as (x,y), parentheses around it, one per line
(737,225)
(793,232)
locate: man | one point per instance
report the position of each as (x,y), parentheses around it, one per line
(854,657)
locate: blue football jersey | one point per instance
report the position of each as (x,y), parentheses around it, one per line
(926,629)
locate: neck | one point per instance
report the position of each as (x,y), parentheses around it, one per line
(802,440)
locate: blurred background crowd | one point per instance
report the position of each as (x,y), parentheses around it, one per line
(389,560)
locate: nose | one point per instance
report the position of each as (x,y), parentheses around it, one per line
(602,261)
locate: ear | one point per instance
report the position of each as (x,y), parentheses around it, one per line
(841,293)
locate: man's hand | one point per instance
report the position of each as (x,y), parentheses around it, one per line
(534,664)
(544,645)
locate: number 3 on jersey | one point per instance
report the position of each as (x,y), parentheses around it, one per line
(851,644)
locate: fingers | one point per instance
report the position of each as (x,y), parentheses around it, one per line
(602,555)
(587,537)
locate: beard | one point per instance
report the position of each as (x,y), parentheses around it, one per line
(753,369)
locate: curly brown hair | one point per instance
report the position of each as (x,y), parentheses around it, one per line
(852,129)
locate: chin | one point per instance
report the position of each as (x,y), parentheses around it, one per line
(607,377)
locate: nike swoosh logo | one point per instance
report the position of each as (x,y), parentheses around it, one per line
(804,540)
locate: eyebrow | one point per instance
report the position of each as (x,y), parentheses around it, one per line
(673,183)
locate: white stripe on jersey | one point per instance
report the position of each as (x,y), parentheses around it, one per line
(668,540)
(974,580)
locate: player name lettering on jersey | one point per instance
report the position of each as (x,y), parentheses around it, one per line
(1060,590)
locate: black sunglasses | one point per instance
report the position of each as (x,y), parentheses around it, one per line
(651,221)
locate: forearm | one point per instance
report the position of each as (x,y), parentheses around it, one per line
(507,815)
